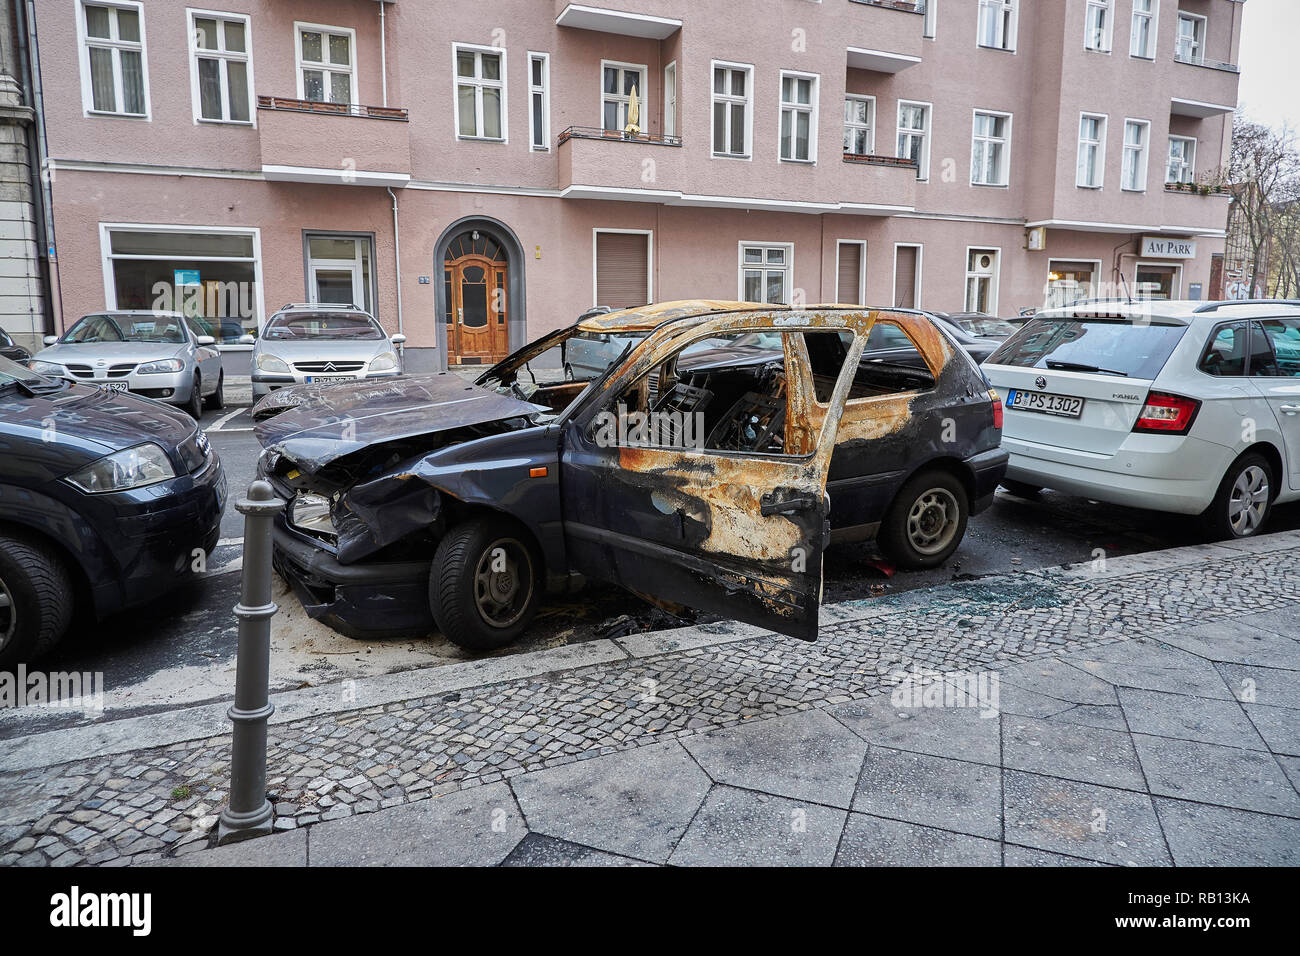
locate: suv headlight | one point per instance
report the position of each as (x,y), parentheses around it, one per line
(311,513)
(161,366)
(45,368)
(383,362)
(267,362)
(134,467)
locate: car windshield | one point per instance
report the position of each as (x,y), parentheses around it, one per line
(322,325)
(126,328)
(983,325)
(1091,345)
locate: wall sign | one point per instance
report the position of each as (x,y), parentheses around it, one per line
(1158,247)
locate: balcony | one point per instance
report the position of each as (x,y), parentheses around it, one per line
(1208,87)
(597,163)
(344,143)
(629,23)
(1197,189)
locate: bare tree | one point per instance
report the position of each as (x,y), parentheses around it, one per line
(1263,174)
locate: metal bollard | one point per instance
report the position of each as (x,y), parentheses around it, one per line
(249,813)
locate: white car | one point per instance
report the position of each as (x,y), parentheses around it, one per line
(1184,407)
(306,343)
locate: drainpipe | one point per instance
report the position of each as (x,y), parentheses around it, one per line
(383,64)
(397,269)
(29,56)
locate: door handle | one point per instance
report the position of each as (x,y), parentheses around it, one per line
(1290,409)
(768,507)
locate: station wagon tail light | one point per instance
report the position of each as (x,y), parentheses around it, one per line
(997,407)
(1167,414)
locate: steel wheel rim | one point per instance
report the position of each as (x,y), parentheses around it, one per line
(1248,501)
(8,618)
(503,589)
(932,521)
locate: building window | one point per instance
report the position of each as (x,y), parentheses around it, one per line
(114,74)
(221,67)
(326,65)
(1190,47)
(480,93)
(997,24)
(1069,282)
(930,27)
(339,269)
(765,272)
(208,274)
(1142,40)
(990,149)
(914,135)
(731,110)
(623,268)
(1134,173)
(798,117)
(982,281)
(860,125)
(1097,26)
(618,83)
(851,271)
(539,101)
(1182,160)
(670,99)
(907,276)
(1092,151)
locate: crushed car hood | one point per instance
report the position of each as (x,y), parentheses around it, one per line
(337,420)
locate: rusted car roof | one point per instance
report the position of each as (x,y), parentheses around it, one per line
(645,317)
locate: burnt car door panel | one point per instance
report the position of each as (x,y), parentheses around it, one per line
(706,486)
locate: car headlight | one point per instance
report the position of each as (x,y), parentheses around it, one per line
(45,368)
(161,366)
(134,467)
(311,513)
(383,362)
(267,362)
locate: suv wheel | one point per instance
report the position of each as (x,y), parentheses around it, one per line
(483,586)
(35,599)
(195,405)
(926,522)
(1244,499)
(217,400)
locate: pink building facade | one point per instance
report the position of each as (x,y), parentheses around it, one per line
(479,174)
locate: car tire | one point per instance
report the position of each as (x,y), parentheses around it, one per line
(477,604)
(1021,489)
(195,405)
(217,400)
(926,522)
(35,599)
(1245,497)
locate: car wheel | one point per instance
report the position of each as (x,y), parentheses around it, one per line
(926,522)
(217,400)
(1021,489)
(483,586)
(1244,499)
(195,405)
(35,599)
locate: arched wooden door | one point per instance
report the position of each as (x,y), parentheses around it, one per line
(477,294)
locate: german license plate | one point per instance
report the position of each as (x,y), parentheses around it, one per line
(114,386)
(1067,406)
(320,379)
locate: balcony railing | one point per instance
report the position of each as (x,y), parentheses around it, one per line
(1198,189)
(868,159)
(332,109)
(1208,64)
(907,6)
(617,135)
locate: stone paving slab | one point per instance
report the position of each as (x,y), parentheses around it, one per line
(1208,773)
(1201,835)
(743,828)
(1071,752)
(1189,718)
(871,841)
(933,791)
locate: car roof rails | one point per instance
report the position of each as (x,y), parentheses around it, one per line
(1224,303)
(352,306)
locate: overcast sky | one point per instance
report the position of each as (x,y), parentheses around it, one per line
(1270,67)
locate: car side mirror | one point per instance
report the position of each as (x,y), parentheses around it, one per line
(397,339)
(205,340)
(50,339)
(246,339)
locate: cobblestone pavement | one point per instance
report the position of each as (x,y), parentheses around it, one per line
(1148,713)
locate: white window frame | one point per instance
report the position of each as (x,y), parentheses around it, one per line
(85,42)
(1101,149)
(670,100)
(1004,170)
(621,98)
(299,28)
(862,268)
(1107,8)
(479,83)
(1190,163)
(788,279)
(533,92)
(649,259)
(1203,28)
(1145,156)
(222,56)
(747,101)
(926,134)
(1008,23)
(811,108)
(1153,15)
(996,285)
(1094,286)
(871,120)
(920,261)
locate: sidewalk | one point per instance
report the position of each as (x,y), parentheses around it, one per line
(1144,712)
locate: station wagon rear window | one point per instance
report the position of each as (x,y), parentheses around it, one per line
(1091,345)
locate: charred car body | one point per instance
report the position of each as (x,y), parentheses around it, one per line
(429,500)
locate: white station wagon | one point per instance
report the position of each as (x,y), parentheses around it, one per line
(1184,407)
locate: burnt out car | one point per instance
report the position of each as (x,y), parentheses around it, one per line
(707,466)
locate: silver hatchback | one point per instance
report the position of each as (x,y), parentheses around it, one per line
(321,343)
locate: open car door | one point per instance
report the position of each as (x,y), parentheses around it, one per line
(707,488)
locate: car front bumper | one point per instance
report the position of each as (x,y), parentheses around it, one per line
(171,387)
(266,382)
